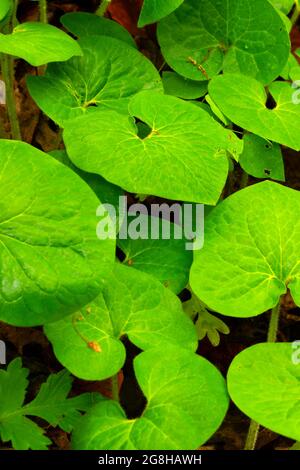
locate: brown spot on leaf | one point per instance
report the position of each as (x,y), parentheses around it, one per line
(94,346)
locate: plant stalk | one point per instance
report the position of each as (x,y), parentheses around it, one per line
(43,11)
(272,336)
(115,387)
(7,67)
(252,435)
(273,326)
(103,7)
(229,188)
(43,19)
(14,22)
(296,13)
(244,180)
(8,75)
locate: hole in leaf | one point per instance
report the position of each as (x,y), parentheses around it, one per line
(267,171)
(271,103)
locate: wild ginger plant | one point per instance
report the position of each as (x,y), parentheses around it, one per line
(220,110)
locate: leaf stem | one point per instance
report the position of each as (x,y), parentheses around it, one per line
(43,19)
(229,186)
(14,20)
(244,180)
(273,326)
(296,13)
(272,336)
(252,435)
(115,387)
(43,11)
(7,67)
(103,7)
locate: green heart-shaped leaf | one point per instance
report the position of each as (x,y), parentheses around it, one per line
(187,401)
(216,111)
(261,158)
(165,257)
(264,383)
(154,10)
(201,38)
(244,101)
(5,7)
(132,303)
(291,63)
(51,260)
(106,192)
(108,75)
(287,21)
(283,5)
(251,251)
(86,24)
(176,85)
(183,157)
(39,44)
